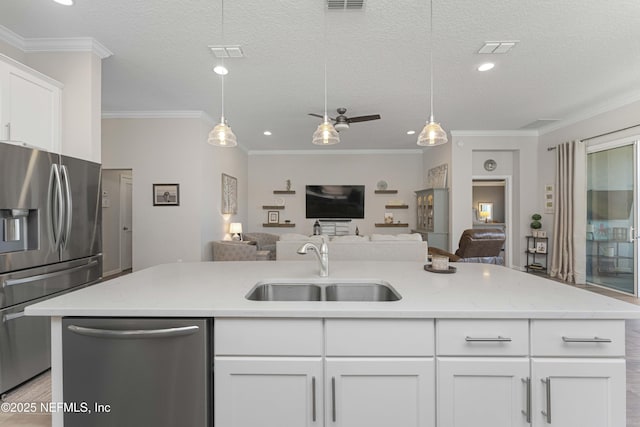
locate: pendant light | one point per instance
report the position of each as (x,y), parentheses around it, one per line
(222,135)
(432,134)
(325,134)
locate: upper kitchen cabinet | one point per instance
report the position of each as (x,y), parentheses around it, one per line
(30,105)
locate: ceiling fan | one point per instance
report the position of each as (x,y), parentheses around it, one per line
(342,122)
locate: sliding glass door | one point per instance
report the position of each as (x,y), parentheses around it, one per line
(612,216)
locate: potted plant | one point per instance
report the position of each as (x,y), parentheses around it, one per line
(535,224)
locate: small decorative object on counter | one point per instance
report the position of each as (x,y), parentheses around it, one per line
(357,231)
(317,230)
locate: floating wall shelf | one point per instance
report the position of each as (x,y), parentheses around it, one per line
(386,191)
(284,192)
(272,207)
(278,225)
(391,225)
(396,206)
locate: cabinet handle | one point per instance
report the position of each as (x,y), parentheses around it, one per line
(496,339)
(527,412)
(313,398)
(333,398)
(594,339)
(547,383)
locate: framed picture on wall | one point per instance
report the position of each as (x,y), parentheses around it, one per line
(273,217)
(166,194)
(229,203)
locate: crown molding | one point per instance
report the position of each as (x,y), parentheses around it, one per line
(68,44)
(160,114)
(9,37)
(494,133)
(312,152)
(589,113)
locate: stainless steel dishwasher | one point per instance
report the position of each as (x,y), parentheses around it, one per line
(136,372)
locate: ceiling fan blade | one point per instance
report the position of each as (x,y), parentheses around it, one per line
(321,116)
(363,118)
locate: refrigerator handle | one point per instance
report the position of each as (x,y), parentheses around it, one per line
(54,222)
(68,206)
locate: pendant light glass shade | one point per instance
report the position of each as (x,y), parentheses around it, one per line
(325,134)
(222,135)
(432,135)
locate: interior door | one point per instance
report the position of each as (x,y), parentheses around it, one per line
(612,220)
(126,222)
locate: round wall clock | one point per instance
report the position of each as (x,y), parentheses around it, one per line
(490,165)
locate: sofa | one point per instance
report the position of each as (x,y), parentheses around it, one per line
(264,242)
(233,251)
(477,245)
(377,247)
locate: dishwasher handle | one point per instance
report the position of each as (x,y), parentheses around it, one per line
(134,333)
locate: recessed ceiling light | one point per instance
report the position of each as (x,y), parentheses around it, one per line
(220,70)
(411,132)
(267,133)
(486,66)
(64,2)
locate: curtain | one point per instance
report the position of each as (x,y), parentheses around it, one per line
(568,248)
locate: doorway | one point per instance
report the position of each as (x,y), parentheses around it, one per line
(491,208)
(117,214)
(612,216)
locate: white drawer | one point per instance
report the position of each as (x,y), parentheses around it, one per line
(379,337)
(463,337)
(599,338)
(267,337)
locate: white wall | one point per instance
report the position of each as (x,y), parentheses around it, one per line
(173,151)
(12,52)
(81,74)
(516,156)
(267,172)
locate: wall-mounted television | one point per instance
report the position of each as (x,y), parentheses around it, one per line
(335,201)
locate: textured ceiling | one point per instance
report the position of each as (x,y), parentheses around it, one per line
(572,55)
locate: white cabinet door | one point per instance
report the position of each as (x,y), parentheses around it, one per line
(483,391)
(578,392)
(30,107)
(268,392)
(379,392)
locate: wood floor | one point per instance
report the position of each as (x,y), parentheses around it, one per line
(39,389)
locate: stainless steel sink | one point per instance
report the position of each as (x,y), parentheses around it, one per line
(285,292)
(360,291)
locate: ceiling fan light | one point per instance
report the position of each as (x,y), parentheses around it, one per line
(325,134)
(432,135)
(341,126)
(222,136)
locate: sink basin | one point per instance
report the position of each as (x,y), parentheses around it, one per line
(285,292)
(360,292)
(371,291)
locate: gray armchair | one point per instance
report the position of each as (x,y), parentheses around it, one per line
(264,242)
(233,251)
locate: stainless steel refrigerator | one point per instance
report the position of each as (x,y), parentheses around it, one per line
(50,243)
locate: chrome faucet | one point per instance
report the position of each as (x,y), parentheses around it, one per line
(322,254)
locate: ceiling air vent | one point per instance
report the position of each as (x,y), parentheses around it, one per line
(345,4)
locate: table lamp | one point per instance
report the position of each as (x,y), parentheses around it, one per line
(235,228)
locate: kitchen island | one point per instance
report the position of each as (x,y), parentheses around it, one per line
(549,353)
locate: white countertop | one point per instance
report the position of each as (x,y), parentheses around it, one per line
(218,289)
